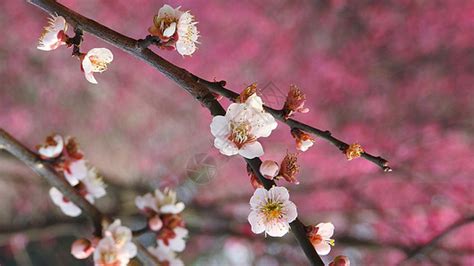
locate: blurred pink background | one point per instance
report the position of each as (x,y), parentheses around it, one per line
(395,76)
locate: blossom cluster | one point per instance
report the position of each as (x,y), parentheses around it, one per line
(163,212)
(66,157)
(114,248)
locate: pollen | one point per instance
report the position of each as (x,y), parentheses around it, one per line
(98,65)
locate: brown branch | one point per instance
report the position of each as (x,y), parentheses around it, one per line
(415,252)
(55,179)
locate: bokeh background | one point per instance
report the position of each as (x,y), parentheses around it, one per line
(394,75)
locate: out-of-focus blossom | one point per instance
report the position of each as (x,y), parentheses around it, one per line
(340,261)
(91,187)
(96,60)
(177,242)
(353,151)
(75,171)
(161,202)
(320,236)
(116,247)
(303,140)
(294,102)
(54,34)
(66,206)
(155,223)
(52,148)
(289,168)
(176,29)
(81,248)
(272,211)
(165,256)
(237,132)
(269,169)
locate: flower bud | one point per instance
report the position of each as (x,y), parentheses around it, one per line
(155,223)
(81,248)
(340,261)
(294,102)
(290,168)
(269,169)
(303,140)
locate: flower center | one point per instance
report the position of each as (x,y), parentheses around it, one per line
(98,65)
(272,210)
(109,257)
(240,134)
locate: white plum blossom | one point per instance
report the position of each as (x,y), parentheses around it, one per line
(54,34)
(237,132)
(178,242)
(52,148)
(320,236)
(91,188)
(272,211)
(161,202)
(96,60)
(76,171)
(66,206)
(116,247)
(176,29)
(165,255)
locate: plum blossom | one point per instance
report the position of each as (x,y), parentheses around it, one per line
(82,248)
(116,247)
(272,211)
(96,60)
(178,242)
(303,140)
(354,150)
(91,188)
(340,261)
(161,202)
(269,169)
(54,34)
(52,148)
(289,168)
(165,256)
(237,132)
(176,29)
(320,236)
(294,102)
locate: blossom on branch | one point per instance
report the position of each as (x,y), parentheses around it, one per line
(52,148)
(320,236)
(96,60)
(116,247)
(161,202)
(54,34)
(269,169)
(354,150)
(303,140)
(272,211)
(165,256)
(237,132)
(82,248)
(176,30)
(289,168)
(294,102)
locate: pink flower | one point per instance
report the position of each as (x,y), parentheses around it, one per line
(269,169)
(81,248)
(320,236)
(294,102)
(340,261)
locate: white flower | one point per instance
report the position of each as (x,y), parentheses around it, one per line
(272,211)
(53,147)
(177,243)
(237,132)
(66,206)
(320,236)
(76,171)
(116,247)
(96,60)
(160,202)
(166,255)
(303,140)
(94,187)
(175,29)
(54,34)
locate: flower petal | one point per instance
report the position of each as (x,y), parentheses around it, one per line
(220,126)
(277,229)
(323,248)
(251,150)
(256,222)
(326,230)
